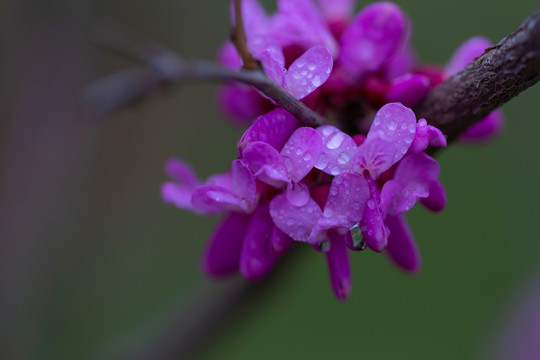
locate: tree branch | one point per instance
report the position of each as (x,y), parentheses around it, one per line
(501,73)
(165,68)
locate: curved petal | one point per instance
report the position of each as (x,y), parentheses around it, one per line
(178,195)
(347,198)
(301,152)
(279,241)
(295,221)
(436,201)
(485,129)
(309,71)
(273,64)
(241,104)
(274,128)
(243,184)
(372,38)
(374,231)
(336,10)
(408,89)
(266,163)
(257,259)
(466,53)
(222,254)
(338,266)
(181,172)
(337,150)
(300,22)
(401,247)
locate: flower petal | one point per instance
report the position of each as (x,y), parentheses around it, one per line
(274,128)
(266,163)
(436,201)
(181,172)
(243,184)
(408,89)
(337,151)
(309,71)
(222,254)
(372,38)
(257,259)
(279,241)
(485,129)
(301,152)
(347,198)
(336,10)
(401,247)
(300,22)
(466,53)
(295,221)
(338,266)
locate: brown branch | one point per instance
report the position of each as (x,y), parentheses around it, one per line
(165,68)
(239,39)
(495,77)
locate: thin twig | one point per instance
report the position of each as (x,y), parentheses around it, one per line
(495,77)
(239,39)
(165,68)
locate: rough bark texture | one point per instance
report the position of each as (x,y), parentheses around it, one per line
(501,73)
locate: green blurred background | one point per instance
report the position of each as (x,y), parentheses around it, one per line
(94,265)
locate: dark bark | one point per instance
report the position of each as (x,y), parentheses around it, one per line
(498,75)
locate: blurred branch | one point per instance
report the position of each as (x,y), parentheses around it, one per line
(238,38)
(501,73)
(164,68)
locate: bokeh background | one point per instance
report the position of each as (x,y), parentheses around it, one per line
(94,266)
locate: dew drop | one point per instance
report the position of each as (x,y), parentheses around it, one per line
(307,156)
(311,66)
(324,246)
(328,212)
(335,140)
(392,125)
(299,151)
(334,171)
(343,158)
(316,81)
(371,204)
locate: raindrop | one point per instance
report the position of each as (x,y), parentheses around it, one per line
(343,158)
(307,156)
(311,66)
(358,240)
(316,81)
(392,125)
(335,140)
(324,246)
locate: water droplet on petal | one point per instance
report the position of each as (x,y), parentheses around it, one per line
(335,140)
(392,125)
(311,66)
(343,158)
(371,204)
(307,156)
(316,81)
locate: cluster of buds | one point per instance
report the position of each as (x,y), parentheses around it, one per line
(341,186)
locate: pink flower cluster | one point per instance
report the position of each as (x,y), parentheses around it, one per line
(338,187)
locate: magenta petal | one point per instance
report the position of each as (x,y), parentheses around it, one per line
(240,103)
(181,172)
(266,163)
(212,199)
(273,128)
(401,247)
(347,198)
(299,22)
(414,174)
(309,71)
(373,229)
(222,254)
(257,259)
(396,123)
(375,156)
(337,151)
(338,266)
(228,56)
(274,65)
(408,89)
(372,38)
(295,221)
(436,137)
(421,138)
(301,152)
(178,195)
(243,184)
(436,201)
(485,129)
(279,241)
(336,10)
(466,53)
